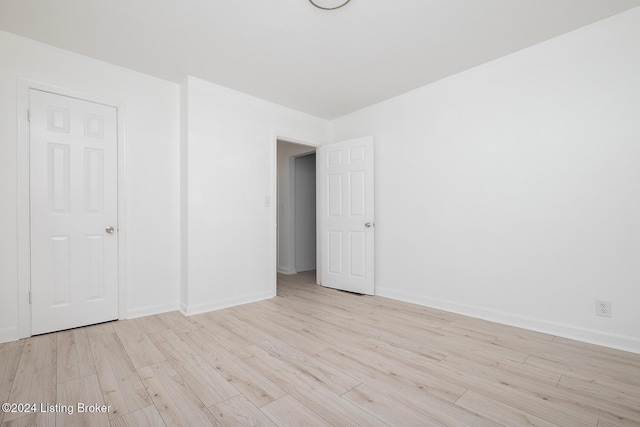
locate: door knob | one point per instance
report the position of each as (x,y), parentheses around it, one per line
(368,224)
(110,230)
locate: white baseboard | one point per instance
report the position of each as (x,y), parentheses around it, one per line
(620,342)
(217,305)
(285,270)
(152,309)
(11,333)
(183,309)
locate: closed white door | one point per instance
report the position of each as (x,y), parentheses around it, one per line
(73,195)
(346,217)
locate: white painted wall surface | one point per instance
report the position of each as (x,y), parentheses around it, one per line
(184,193)
(305,212)
(231,173)
(286,257)
(152,132)
(510,191)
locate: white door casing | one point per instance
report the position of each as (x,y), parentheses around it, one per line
(73,201)
(346,215)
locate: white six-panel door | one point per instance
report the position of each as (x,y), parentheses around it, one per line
(346,217)
(73,197)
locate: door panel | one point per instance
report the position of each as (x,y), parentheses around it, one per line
(345,176)
(73,197)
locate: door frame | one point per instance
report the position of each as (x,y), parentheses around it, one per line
(313,144)
(24,208)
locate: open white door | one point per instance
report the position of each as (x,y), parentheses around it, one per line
(345,215)
(73,195)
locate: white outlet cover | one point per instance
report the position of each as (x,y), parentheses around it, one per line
(603,308)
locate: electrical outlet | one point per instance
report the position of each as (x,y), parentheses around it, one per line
(603,308)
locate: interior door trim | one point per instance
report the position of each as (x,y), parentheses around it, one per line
(23,208)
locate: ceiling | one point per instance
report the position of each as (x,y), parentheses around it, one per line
(325,63)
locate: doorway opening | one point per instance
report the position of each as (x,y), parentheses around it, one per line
(345,258)
(296,213)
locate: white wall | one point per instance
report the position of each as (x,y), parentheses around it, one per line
(511,191)
(231,172)
(152,138)
(184,192)
(305,212)
(507,192)
(286,257)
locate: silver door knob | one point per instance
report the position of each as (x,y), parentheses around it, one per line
(110,230)
(368,224)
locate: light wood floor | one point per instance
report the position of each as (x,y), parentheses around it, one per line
(316,356)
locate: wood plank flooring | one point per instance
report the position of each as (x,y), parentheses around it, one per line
(318,357)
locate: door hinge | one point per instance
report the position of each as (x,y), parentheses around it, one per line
(29,297)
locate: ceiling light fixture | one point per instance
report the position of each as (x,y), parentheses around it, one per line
(329,4)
